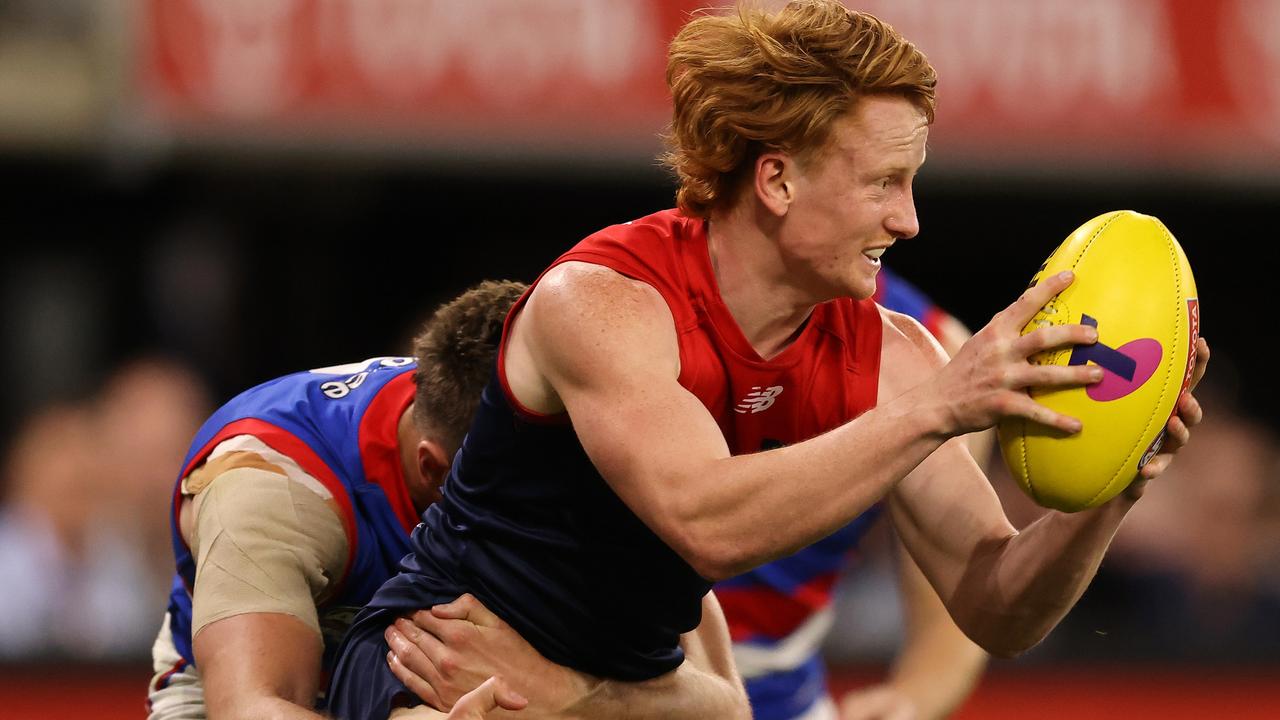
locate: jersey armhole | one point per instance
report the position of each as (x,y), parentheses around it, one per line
(524,413)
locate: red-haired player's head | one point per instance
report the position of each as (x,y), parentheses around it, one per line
(808,125)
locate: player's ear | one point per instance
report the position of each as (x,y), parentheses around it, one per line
(774,181)
(433,461)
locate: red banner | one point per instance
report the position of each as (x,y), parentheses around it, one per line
(512,70)
(1113,81)
(1125,82)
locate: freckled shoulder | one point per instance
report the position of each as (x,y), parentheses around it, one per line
(578,290)
(584,318)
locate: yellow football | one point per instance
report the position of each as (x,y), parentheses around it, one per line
(1132,282)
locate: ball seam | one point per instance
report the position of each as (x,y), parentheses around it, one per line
(1114,216)
(1164,389)
(1022,450)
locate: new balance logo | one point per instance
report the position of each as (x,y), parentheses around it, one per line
(759,399)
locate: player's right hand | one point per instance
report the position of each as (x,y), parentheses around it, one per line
(988,378)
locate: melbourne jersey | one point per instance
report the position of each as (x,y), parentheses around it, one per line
(340,425)
(530,527)
(780,613)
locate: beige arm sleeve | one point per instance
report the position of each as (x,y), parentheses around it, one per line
(265,540)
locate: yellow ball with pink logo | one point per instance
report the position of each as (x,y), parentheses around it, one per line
(1134,284)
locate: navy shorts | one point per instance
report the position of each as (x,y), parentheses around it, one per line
(362,686)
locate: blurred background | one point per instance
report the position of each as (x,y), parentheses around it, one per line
(199,195)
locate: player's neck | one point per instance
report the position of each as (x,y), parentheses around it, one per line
(753,283)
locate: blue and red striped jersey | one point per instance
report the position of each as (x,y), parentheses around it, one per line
(340,425)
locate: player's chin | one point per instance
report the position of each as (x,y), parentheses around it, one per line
(862,285)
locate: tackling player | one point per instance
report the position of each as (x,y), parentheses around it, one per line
(295,503)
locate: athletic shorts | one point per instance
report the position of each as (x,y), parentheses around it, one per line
(362,686)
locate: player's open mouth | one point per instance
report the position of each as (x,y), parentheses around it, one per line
(874,255)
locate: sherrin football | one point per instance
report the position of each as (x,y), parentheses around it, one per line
(1133,283)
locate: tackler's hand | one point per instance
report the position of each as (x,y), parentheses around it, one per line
(444,653)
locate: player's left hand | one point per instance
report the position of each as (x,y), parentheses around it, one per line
(879,702)
(1178,430)
(447,651)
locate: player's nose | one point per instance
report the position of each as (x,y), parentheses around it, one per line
(902,221)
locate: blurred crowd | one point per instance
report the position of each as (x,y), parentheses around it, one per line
(84,534)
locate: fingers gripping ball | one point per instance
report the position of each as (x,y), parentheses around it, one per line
(1134,284)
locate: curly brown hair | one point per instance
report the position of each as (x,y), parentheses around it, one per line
(745,83)
(456,350)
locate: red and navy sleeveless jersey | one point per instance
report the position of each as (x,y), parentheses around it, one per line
(780,613)
(530,527)
(340,425)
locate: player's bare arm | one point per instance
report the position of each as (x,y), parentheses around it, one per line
(259,665)
(937,666)
(1006,589)
(604,347)
(260,653)
(443,653)
(707,684)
